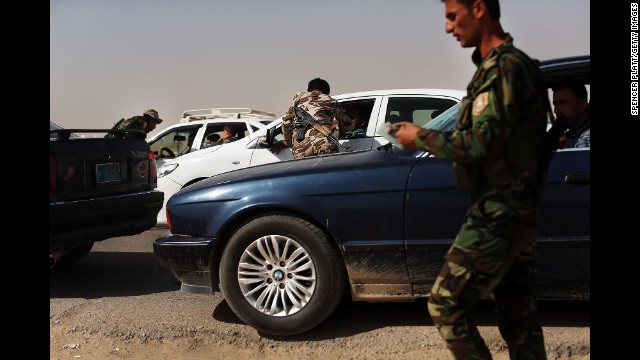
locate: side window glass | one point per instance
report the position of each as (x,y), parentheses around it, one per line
(174,143)
(223,133)
(278,136)
(417,110)
(360,113)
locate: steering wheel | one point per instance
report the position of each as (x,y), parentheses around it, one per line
(166,152)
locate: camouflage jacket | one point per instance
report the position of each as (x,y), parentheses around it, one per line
(321,106)
(498,139)
(133,123)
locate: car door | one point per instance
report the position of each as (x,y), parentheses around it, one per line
(563,249)
(434,209)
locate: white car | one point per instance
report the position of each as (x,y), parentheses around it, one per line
(202,127)
(415,105)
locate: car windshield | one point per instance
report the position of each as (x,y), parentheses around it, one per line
(445,121)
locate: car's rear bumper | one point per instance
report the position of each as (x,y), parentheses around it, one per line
(189,258)
(102,218)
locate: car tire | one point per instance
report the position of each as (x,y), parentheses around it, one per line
(75,255)
(288,296)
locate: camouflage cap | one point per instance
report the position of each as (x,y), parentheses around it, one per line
(154,114)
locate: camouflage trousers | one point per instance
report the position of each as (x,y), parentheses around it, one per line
(314,143)
(491,255)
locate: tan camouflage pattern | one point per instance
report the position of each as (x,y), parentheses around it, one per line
(496,148)
(324,109)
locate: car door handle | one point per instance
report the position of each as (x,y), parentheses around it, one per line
(578,178)
(236,162)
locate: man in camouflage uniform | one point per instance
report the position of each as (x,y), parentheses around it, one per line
(317,102)
(147,122)
(496,149)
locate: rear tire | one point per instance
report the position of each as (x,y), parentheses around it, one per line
(281,275)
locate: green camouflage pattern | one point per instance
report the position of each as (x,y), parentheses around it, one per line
(496,149)
(133,123)
(324,109)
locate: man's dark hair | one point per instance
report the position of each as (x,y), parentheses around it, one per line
(320,85)
(492,5)
(577,88)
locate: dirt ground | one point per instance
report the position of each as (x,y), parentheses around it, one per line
(141,328)
(120,303)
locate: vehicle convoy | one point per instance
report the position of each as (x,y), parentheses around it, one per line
(99,188)
(414,105)
(203,127)
(285,241)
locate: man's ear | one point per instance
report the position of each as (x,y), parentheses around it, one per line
(479,9)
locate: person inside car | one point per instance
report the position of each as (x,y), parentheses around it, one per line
(190,139)
(229,135)
(570,101)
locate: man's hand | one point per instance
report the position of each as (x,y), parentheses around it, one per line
(406,134)
(279,146)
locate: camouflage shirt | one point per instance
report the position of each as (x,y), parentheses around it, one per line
(498,138)
(133,123)
(321,106)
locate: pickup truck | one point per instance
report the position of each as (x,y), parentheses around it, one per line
(99,188)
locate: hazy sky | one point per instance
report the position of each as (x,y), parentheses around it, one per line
(111,59)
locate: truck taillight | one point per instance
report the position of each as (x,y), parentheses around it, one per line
(52,174)
(153,170)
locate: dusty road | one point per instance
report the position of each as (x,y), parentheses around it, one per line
(119,303)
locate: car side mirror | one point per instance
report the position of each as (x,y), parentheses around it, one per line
(267,140)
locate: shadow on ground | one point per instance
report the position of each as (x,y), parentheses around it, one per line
(352,318)
(105,274)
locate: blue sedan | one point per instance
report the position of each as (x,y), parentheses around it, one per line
(284,242)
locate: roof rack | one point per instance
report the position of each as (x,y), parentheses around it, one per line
(224,113)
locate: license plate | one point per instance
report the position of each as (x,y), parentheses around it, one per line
(106,173)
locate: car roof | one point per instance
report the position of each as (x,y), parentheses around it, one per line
(425,91)
(559,69)
(257,122)
(225,113)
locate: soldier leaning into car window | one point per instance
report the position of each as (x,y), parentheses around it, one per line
(570,100)
(147,122)
(307,141)
(496,149)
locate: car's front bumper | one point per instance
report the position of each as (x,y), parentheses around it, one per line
(189,258)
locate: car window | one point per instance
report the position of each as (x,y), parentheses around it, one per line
(417,110)
(215,131)
(446,120)
(361,109)
(174,143)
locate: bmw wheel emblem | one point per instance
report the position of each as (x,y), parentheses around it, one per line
(278,275)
